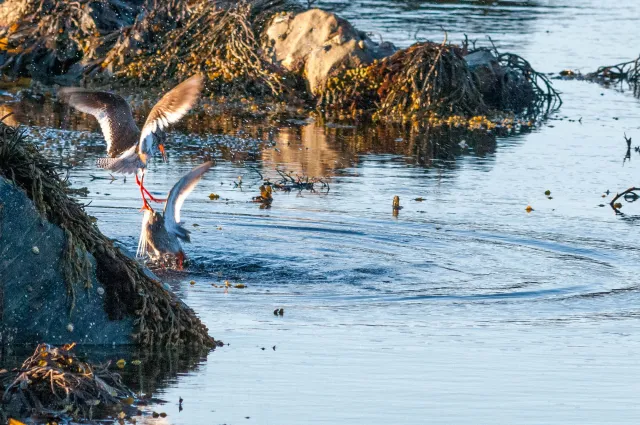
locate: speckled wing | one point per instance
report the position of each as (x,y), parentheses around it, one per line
(126,163)
(173,106)
(176,198)
(112,112)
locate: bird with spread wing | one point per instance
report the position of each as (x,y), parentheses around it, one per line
(129,148)
(161,232)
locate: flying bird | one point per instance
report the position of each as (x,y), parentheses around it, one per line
(128,147)
(161,232)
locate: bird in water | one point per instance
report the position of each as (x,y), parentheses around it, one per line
(161,232)
(128,147)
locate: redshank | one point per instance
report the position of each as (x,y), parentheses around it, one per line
(128,147)
(161,232)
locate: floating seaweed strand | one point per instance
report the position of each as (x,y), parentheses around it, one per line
(626,71)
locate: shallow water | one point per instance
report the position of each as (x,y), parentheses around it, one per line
(462,309)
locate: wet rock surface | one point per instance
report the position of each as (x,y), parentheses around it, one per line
(501,86)
(35,301)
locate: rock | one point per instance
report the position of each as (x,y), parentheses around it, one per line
(11,11)
(34,302)
(315,43)
(501,87)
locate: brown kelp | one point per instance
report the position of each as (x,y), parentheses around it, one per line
(160,317)
(153,42)
(220,41)
(51,36)
(628,72)
(55,382)
(145,42)
(430,80)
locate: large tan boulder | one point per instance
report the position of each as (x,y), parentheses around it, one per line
(315,43)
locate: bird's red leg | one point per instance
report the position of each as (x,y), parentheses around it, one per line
(180,258)
(145,191)
(145,204)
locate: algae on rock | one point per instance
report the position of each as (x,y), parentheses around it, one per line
(55,261)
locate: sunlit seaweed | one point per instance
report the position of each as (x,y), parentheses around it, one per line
(54,382)
(57,34)
(159,316)
(219,41)
(153,42)
(431,82)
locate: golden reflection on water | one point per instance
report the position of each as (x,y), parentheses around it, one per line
(311,147)
(306,150)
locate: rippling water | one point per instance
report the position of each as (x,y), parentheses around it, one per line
(462,309)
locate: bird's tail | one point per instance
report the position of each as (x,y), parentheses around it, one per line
(142,242)
(182,233)
(127,163)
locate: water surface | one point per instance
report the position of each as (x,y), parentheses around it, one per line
(462,309)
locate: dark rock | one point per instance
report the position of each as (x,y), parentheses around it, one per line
(502,87)
(35,304)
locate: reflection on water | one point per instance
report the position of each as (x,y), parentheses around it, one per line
(156,368)
(310,147)
(463,308)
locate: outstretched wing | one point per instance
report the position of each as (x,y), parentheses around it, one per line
(176,198)
(127,163)
(112,112)
(173,106)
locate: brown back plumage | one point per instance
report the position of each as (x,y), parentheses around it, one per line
(112,112)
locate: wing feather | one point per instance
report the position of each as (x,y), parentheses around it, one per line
(127,163)
(173,106)
(142,242)
(112,112)
(178,194)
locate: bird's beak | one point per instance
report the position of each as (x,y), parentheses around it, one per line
(164,154)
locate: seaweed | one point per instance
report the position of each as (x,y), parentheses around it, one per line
(155,42)
(611,75)
(220,42)
(55,382)
(428,81)
(160,317)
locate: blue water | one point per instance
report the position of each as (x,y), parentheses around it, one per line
(464,308)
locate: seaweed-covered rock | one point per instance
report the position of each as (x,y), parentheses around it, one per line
(502,85)
(36,301)
(269,50)
(53,383)
(316,42)
(53,258)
